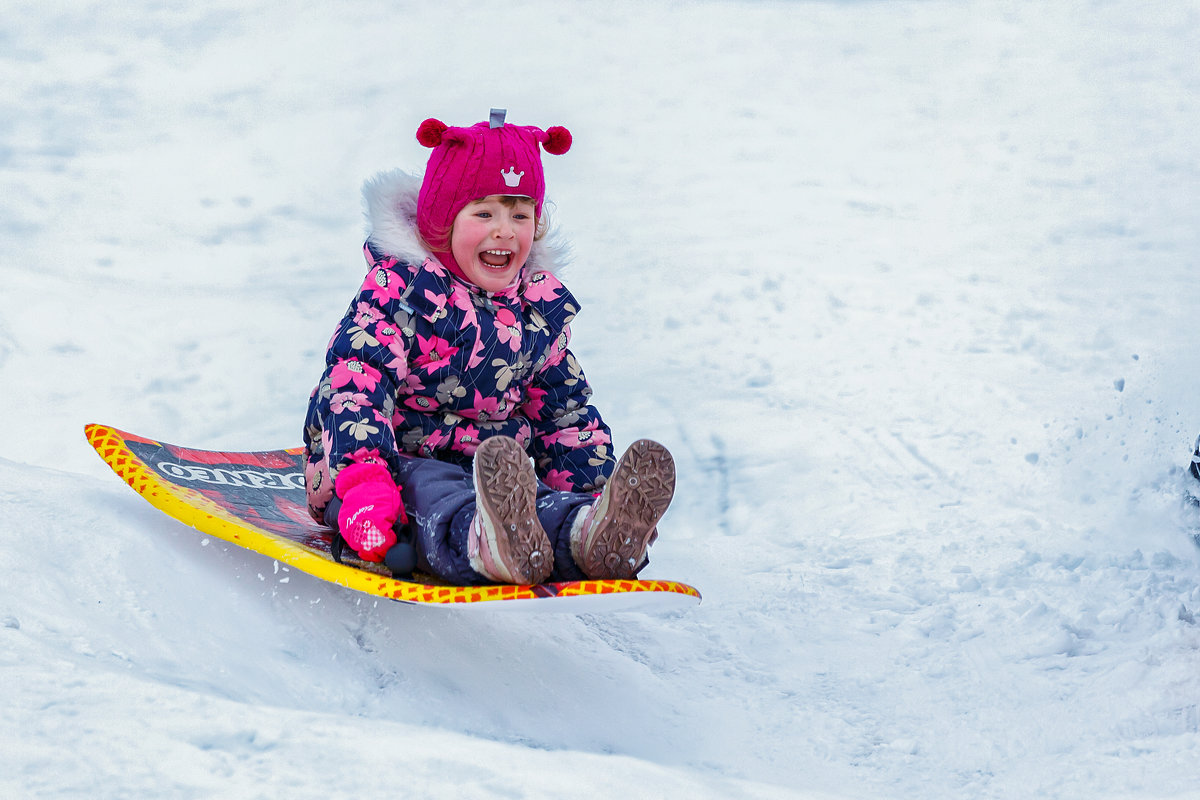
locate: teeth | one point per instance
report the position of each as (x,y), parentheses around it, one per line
(505,256)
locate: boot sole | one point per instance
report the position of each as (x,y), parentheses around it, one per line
(634,500)
(506,493)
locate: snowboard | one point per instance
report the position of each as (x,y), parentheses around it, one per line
(257,500)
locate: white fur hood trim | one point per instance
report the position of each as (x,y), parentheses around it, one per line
(390,206)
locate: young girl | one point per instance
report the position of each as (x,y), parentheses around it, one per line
(451,368)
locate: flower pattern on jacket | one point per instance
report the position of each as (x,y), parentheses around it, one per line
(425,365)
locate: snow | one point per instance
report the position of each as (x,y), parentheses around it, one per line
(907,287)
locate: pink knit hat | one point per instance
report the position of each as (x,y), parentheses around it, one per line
(471,163)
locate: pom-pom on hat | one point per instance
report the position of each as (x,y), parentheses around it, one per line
(472,163)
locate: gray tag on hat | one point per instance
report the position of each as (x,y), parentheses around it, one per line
(497,118)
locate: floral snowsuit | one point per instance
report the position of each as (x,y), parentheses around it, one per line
(424,366)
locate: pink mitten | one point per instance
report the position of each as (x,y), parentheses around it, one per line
(370,507)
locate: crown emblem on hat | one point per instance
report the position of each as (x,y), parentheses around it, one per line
(512,178)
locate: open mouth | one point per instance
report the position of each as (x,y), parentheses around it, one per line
(496,259)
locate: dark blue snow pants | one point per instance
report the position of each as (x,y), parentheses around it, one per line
(440,501)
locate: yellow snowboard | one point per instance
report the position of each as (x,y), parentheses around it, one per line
(257,501)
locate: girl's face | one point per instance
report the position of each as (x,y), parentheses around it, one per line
(491,239)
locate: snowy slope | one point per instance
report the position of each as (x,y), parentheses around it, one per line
(907,287)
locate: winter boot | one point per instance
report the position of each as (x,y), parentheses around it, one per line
(1192,491)
(506,542)
(1195,466)
(609,540)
